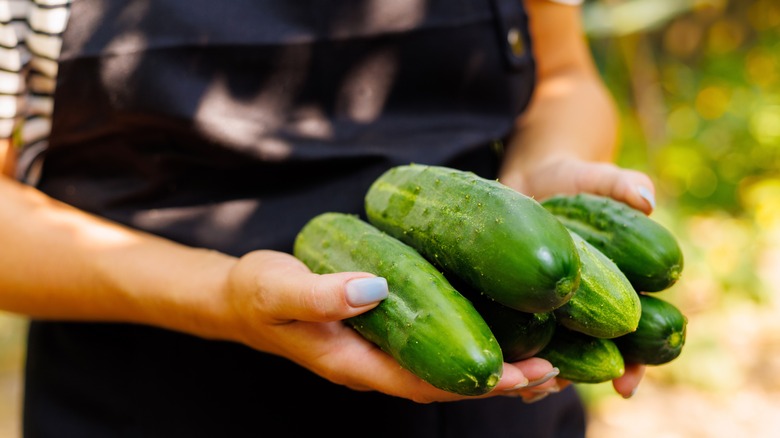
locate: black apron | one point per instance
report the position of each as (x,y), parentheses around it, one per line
(228,125)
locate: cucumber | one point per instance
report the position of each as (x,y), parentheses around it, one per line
(425,324)
(498,240)
(521,335)
(605,305)
(643,249)
(582,358)
(660,336)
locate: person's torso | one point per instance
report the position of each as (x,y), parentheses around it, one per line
(272,111)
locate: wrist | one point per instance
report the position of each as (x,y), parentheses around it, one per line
(205,300)
(167,285)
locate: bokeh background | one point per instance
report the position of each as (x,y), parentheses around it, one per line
(698,85)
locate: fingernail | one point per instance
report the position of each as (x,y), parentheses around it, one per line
(647,195)
(535,398)
(520,385)
(544,378)
(362,291)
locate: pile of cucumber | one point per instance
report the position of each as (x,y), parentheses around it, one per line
(480,274)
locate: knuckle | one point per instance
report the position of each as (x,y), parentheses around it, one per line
(318,302)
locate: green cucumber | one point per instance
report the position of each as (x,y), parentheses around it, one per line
(605,305)
(425,324)
(498,240)
(643,249)
(660,336)
(521,335)
(583,359)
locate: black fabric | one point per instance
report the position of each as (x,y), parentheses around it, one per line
(162,111)
(145,382)
(228,125)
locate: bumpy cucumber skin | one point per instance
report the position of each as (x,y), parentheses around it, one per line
(498,240)
(582,358)
(521,335)
(425,324)
(660,336)
(645,251)
(605,305)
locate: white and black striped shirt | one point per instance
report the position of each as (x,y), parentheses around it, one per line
(30,43)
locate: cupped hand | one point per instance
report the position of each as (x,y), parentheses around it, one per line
(280,307)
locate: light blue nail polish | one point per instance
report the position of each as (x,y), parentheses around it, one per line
(544,379)
(645,193)
(520,385)
(362,291)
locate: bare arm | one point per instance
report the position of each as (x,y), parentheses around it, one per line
(59,262)
(566,141)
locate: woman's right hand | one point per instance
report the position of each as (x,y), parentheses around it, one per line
(280,307)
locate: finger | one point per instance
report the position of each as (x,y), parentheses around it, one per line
(287,290)
(627,384)
(397,381)
(372,369)
(331,297)
(629,186)
(538,371)
(540,380)
(635,189)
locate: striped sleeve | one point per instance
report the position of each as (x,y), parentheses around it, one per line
(30,43)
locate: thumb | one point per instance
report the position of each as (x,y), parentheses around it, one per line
(277,287)
(331,297)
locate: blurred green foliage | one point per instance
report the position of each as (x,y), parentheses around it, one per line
(699,93)
(698,87)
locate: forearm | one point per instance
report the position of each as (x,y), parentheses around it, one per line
(59,262)
(571,116)
(571,113)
